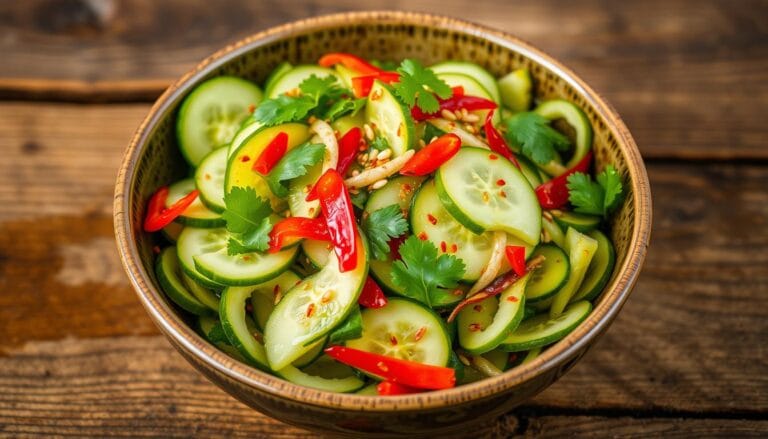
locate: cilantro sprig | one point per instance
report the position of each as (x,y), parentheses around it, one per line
(419,85)
(248,221)
(531,133)
(421,273)
(381,226)
(294,163)
(316,96)
(595,198)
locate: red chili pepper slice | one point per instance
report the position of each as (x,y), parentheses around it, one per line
(453,103)
(554,193)
(409,373)
(429,158)
(272,154)
(339,217)
(158,216)
(372,295)
(388,388)
(348,145)
(362,85)
(496,140)
(394,246)
(290,230)
(349,61)
(516,257)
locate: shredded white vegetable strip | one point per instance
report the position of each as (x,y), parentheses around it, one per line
(484,366)
(326,136)
(494,263)
(373,175)
(466,137)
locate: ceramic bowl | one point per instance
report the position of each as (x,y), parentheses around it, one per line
(152,159)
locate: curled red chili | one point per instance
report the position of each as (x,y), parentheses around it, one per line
(289,230)
(429,158)
(496,140)
(453,103)
(352,62)
(362,85)
(272,154)
(339,217)
(348,145)
(554,193)
(158,216)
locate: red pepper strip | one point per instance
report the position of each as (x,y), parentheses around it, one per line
(349,61)
(554,193)
(516,258)
(348,145)
(453,103)
(409,373)
(372,295)
(429,158)
(496,140)
(388,388)
(272,154)
(394,247)
(362,84)
(290,230)
(158,216)
(339,217)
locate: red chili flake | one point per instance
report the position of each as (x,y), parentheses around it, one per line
(474,327)
(246,258)
(258,337)
(478,308)
(245,158)
(422,236)
(420,333)
(327,296)
(493,156)
(407,187)
(502,194)
(251,108)
(432,219)
(382,367)
(249,307)
(277,288)
(393,340)
(512,299)
(156,250)
(310,309)
(501,182)
(454,248)
(512,358)
(458,292)
(207,176)
(443,246)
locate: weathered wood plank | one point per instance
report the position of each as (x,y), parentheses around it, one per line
(688,78)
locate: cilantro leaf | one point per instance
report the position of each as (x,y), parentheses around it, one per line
(247,217)
(344,107)
(381,225)
(417,84)
(421,272)
(314,96)
(294,164)
(531,133)
(595,198)
(315,87)
(379,143)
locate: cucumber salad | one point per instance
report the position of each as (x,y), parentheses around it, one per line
(383,228)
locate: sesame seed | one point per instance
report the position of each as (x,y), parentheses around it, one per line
(379,184)
(432,139)
(547,216)
(422,143)
(384,154)
(368,131)
(420,333)
(355,173)
(471,118)
(447,114)
(464,360)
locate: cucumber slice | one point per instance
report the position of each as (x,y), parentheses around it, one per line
(172,231)
(277,72)
(345,74)
(529,170)
(399,190)
(350,329)
(369,390)
(551,276)
(201,293)
(205,250)
(484,326)
(554,231)
(169,276)
(487,194)
(581,249)
(498,358)
(311,355)
(206,325)
(249,127)
(233,320)
(212,113)
(390,118)
(579,221)
(531,355)
(292,78)
(543,330)
(324,374)
(313,308)
(209,179)
(263,296)
(345,123)
(316,251)
(196,215)
(516,90)
(600,269)
(575,117)
(429,218)
(482,76)
(472,87)
(239,169)
(407,330)
(299,187)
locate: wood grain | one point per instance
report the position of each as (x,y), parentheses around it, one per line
(689,78)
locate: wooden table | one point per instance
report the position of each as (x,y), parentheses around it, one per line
(687,356)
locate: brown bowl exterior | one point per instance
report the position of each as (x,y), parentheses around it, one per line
(152,160)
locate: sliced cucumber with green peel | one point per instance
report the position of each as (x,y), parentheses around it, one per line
(472,87)
(323,375)
(581,249)
(292,78)
(550,276)
(212,113)
(311,355)
(390,118)
(516,89)
(479,74)
(316,251)
(209,179)
(247,129)
(201,293)
(172,231)
(277,72)
(346,123)
(543,330)
(345,74)
(575,117)
(233,320)
(531,355)
(313,308)
(263,296)
(206,325)
(240,166)
(169,276)
(407,330)
(399,190)
(554,231)
(484,326)
(487,194)
(498,358)
(197,214)
(600,269)
(350,329)
(579,221)
(369,390)
(189,243)
(529,170)
(299,187)
(429,219)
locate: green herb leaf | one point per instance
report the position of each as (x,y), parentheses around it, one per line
(315,87)
(316,96)
(247,216)
(381,225)
(610,180)
(417,85)
(595,198)
(344,107)
(350,329)
(421,272)
(256,239)
(531,133)
(359,199)
(294,164)
(379,143)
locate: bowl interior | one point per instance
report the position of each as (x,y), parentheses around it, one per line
(153,159)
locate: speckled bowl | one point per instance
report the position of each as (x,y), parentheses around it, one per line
(152,159)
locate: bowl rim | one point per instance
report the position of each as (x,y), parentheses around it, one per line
(182,335)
